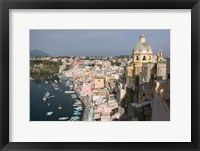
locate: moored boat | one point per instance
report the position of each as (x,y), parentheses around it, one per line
(46,96)
(59,107)
(63,118)
(69,92)
(75,118)
(49,113)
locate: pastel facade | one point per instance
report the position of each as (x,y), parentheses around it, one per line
(99,82)
(86,89)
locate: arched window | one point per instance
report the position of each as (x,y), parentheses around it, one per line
(144,58)
(137,58)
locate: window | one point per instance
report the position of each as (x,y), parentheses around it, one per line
(149,57)
(137,58)
(144,58)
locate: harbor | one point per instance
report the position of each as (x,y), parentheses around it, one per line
(55,101)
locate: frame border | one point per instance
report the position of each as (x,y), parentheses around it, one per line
(5,5)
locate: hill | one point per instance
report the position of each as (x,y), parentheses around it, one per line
(38,53)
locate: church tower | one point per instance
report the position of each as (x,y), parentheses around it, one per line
(160,57)
(142,53)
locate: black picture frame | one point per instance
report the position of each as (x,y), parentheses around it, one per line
(5,5)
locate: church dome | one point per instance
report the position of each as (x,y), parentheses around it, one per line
(142,46)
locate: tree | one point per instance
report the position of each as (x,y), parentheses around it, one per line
(127,98)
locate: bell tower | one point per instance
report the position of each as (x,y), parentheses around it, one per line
(160,56)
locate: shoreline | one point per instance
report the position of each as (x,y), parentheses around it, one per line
(85,106)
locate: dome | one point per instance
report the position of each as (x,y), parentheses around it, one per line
(142,46)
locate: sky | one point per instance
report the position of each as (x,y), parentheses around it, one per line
(97,42)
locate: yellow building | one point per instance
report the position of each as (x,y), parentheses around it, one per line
(88,72)
(129,70)
(142,52)
(99,82)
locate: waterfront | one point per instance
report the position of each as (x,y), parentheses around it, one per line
(109,87)
(39,108)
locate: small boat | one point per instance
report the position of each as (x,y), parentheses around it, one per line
(46,82)
(55,86)
(78,109)
(52,96)
(39,85)
(46,96)
(49,113)
(74,96)
(48,104)
(76,105)
(63,118)
(69,92)
(77,102)
(59,107)
(76,114)
(74,118)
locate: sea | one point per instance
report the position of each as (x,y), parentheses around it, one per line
(39,108)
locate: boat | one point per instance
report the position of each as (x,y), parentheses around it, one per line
(46,96)
(52,96)
(55,86)
(49,113)
(74,118)
(56,81)
(39,85)
(78,108)
(77,114)
(76,105)
(69,92)
(48,104)
(74,96)
(59,107)
(63,118)
(77,102)
(46,82)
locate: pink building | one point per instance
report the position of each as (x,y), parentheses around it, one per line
(86,89)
